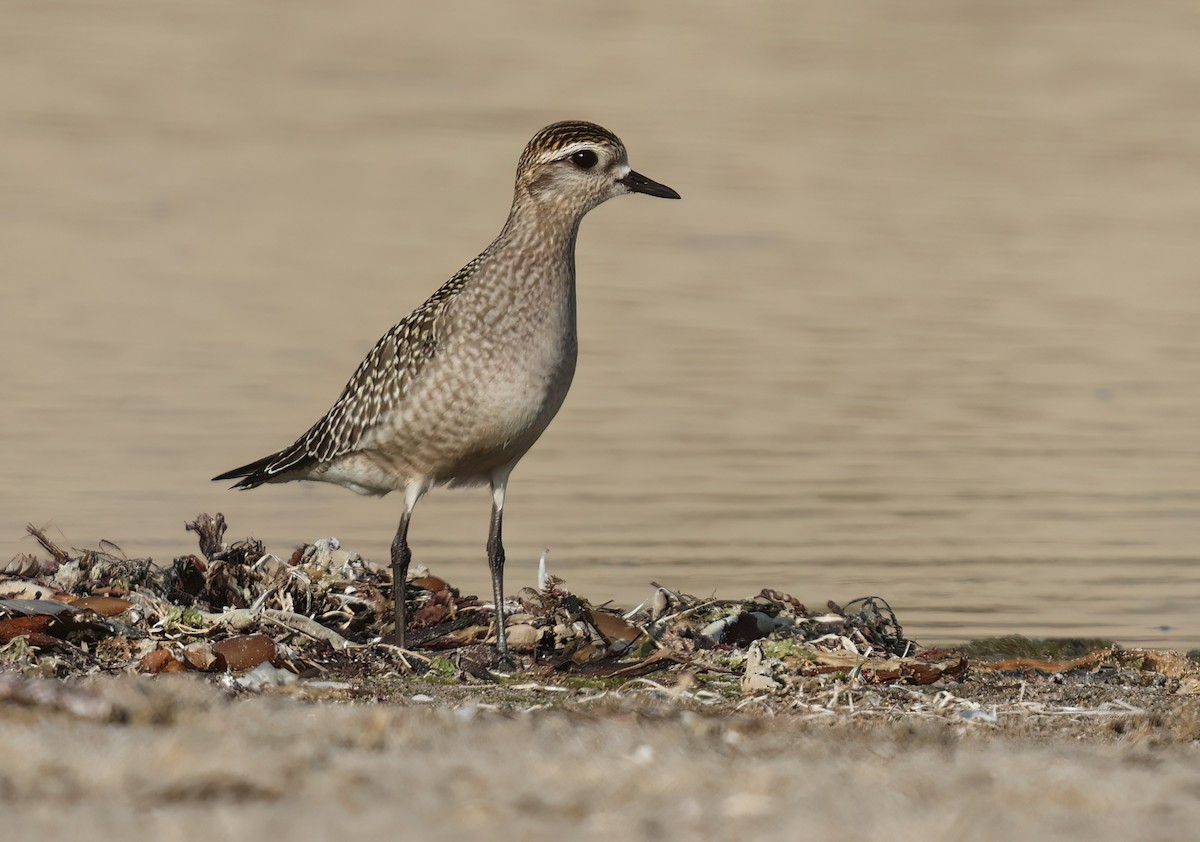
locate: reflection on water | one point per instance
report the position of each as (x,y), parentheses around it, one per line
(924,325)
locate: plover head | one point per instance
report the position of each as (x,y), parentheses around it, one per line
(577,165)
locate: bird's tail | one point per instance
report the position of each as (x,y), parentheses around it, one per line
(278,467)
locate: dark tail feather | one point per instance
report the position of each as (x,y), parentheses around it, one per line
(267,469)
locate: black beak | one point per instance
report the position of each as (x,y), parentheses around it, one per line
(635,182)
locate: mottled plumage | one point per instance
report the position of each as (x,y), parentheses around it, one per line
(458,391)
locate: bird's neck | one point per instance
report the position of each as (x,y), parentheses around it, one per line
(541,234)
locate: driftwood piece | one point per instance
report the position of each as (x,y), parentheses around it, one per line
(241,619)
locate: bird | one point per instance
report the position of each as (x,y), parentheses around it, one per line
(460,389)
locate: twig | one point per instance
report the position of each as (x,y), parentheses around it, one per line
(662,621)
(60,555)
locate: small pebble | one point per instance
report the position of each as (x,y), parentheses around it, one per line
(264,676)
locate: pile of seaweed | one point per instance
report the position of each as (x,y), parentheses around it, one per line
(78,626)
(324,612)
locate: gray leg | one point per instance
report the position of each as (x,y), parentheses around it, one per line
(496,560)
(401,556)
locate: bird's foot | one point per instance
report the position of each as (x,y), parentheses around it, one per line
(505,663)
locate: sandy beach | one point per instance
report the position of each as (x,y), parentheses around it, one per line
(642,765)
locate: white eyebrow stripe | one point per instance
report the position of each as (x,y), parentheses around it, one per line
(571,148)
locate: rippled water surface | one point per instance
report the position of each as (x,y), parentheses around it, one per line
(925,325)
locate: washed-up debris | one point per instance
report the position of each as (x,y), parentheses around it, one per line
(20,565)
(241,652)
(32,628)
(265,675)
(322,614)
(109,606)
(160,660)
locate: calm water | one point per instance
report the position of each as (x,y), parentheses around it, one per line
(924,326)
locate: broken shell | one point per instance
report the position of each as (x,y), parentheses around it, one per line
(264,676)
(23,589)
(199,656)
(430,583)
(21,565)
(160,660)
(243,652)
(660,604)
(341,560)
(829,618)
(523,637)
(758,677)
(830,622)
(109,606)
(614,628)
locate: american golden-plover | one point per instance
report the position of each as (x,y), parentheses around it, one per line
(457,392)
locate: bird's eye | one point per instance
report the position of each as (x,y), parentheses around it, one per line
(585,159)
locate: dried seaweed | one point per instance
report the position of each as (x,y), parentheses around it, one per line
(324,610)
